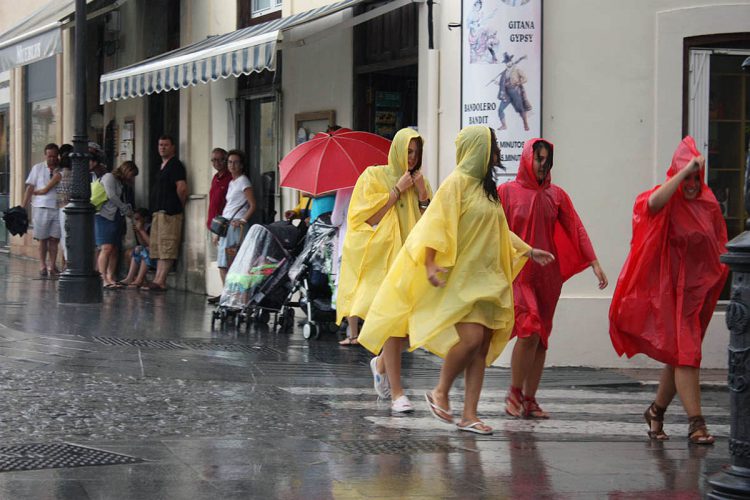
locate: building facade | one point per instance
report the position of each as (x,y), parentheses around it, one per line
(619,84)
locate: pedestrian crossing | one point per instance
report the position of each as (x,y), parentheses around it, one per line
(583,413)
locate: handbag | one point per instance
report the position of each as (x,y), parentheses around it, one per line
(220,225)
(98,195)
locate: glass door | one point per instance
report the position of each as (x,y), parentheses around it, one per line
(261,145)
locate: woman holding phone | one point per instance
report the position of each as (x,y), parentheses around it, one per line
(386,203)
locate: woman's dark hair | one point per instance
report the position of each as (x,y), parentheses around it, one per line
(420,146)
(488,183)
(124,168)
(541,143)
(239,153)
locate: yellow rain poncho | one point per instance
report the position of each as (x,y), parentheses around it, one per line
(472,240)
(369,251)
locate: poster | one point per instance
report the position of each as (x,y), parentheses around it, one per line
(501,76)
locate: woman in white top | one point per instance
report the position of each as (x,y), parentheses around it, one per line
(238,210)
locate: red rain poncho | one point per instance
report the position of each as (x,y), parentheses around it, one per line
(672,278)
(544,217)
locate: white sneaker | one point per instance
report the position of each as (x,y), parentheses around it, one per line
(380,380)
(402,405)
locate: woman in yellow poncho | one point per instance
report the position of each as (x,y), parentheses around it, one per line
(467,317)
(386,203)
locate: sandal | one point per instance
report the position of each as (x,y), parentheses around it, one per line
(655,413)
(436,411)
(514,402)
(349,341)
(698,432)
(532,409)
(477,427)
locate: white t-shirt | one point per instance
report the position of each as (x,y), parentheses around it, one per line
(236,198)
(39,177)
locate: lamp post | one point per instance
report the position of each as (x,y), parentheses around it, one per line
(734,480)
(80,284)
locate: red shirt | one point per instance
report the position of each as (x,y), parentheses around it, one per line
(217,196)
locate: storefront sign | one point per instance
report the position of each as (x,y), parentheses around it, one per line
(502,72)
(30,50)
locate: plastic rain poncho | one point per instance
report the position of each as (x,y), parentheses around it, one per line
(369,251)
(672,278)
(543,216)
(472,240)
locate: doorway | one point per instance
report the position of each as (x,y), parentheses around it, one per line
(260,141)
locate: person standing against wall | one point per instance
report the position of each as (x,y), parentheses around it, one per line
(45,216)
(217,198)
(171,194)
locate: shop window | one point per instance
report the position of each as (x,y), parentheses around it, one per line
(263,7)
(41,109)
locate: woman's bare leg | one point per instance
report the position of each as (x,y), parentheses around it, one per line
(474,379)
(390,361)
(687,381)
(457,359)
(534,376)
(103,262)
(522,360)
(667,388)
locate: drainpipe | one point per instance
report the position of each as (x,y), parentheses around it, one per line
(433,101)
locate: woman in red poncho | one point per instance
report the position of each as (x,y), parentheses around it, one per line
(542,214)
(669,286)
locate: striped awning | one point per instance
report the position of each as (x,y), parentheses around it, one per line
(240,52)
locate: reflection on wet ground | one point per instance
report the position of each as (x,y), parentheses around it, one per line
(271,415)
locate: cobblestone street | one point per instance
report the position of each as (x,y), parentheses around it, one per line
(271,415)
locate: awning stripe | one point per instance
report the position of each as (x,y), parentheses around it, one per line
(241,52)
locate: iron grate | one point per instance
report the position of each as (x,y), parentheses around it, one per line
(37,456)
(393,447)
(184,345)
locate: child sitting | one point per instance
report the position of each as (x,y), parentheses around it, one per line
(140,261)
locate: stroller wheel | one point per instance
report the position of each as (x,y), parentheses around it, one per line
(310,331)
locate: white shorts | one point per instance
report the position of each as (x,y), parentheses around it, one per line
(46,223)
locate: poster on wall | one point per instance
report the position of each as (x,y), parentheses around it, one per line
(502,73)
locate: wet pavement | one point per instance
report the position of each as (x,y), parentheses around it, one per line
(266,414)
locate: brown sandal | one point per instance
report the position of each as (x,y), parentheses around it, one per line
(655,413)
(514,402)
(532,409)
(698,432)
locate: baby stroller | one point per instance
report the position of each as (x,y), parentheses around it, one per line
(257,283)
(311,276)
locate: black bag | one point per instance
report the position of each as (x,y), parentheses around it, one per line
(220,225)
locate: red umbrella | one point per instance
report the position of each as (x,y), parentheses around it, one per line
(329,162)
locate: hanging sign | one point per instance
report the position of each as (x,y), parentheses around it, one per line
(501,62)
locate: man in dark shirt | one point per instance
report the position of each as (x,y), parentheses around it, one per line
(166,227)
(217,196)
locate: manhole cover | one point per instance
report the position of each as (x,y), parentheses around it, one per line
(392,447)
(144,343)
(185,345)
(56,456)
(211,346)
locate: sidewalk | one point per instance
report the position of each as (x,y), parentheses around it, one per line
(188,413)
